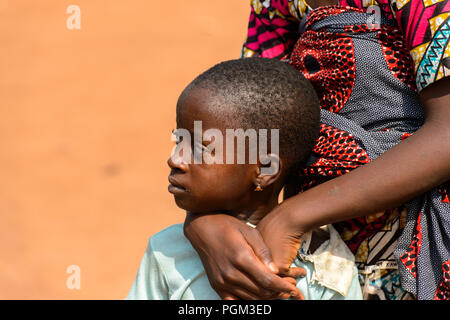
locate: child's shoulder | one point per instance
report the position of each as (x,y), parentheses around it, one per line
(171,232)
(170,241)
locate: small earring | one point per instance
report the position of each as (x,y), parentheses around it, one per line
(258,188)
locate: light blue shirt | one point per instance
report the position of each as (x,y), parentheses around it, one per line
(172,270)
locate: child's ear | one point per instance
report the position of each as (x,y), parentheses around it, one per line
(269,170)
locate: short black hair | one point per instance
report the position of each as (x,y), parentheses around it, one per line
(264,93)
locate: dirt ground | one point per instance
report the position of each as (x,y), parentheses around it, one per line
(86,117)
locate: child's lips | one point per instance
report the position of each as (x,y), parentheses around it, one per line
(175,187)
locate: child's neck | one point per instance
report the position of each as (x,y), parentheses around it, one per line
(255,212)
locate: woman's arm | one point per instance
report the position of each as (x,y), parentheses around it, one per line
(409,169)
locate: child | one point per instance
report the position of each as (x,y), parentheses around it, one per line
(254,93)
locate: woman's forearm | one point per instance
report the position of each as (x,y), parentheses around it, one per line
(411,168)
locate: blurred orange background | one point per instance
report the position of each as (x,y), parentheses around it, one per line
(86,118)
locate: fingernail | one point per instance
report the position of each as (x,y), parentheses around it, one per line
(273,267)
(285,296)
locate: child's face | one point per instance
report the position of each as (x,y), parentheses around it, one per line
(208,187)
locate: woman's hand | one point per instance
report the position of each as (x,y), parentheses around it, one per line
(236,260)
(282,238)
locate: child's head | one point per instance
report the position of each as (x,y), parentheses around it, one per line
(251,94)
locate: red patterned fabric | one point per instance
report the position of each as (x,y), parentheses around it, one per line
(409,258)
(443,289)
(339,153)
(333,83)
(397,56)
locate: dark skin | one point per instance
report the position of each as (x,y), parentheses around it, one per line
(416,165)
(228,191)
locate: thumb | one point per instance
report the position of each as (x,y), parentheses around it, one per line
(260,249)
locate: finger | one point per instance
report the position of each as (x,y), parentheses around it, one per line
(255,240)
(295,272)
(245,295)
(239,282)
(299,294)
(288,296)
(261,294)
(291,280)
(262,277)
(239,294)
(295,296)
(228,296)
(251,265)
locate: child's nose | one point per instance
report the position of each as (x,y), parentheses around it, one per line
(175,162)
